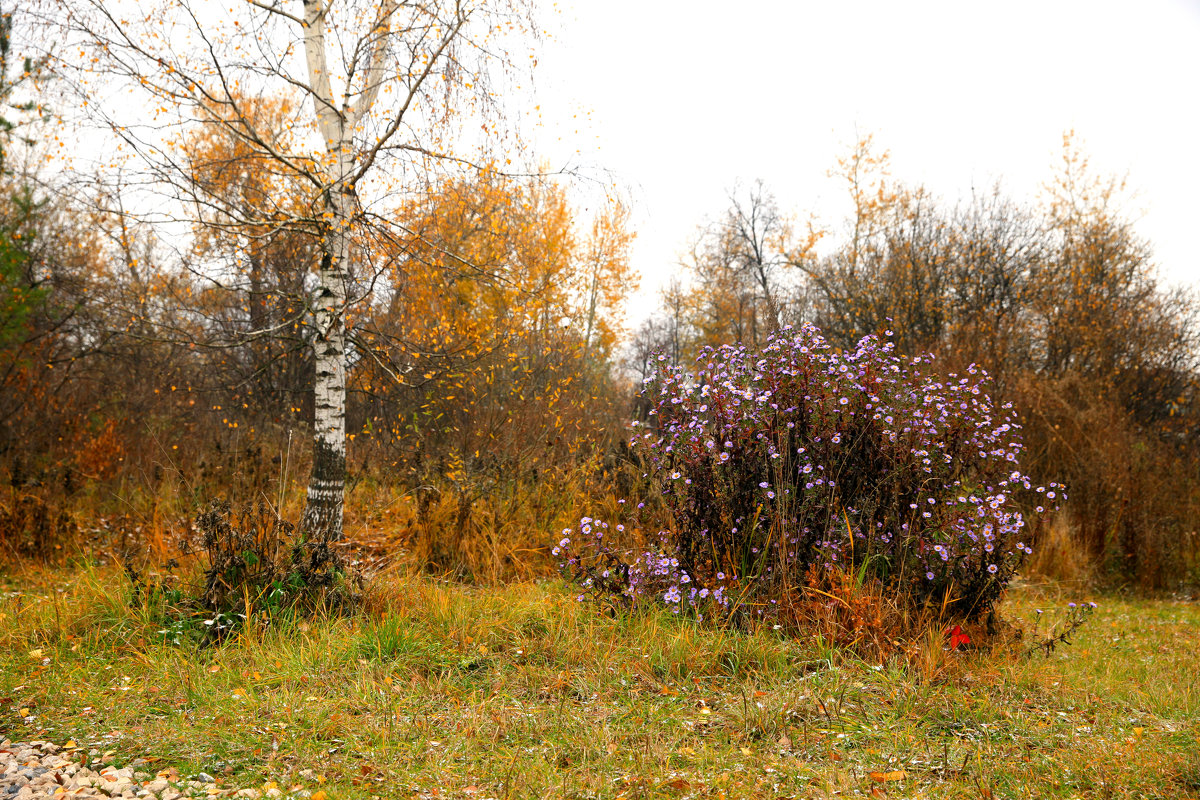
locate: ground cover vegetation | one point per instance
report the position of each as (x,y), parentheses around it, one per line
(347,461)
(445,690)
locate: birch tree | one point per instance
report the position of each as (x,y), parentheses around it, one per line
(377,88)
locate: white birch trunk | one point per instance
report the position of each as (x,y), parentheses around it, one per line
(322,521)
(326,487)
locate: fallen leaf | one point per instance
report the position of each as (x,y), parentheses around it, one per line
(35,653)
(894,775)
(958,638)
(215,668)
(319,795)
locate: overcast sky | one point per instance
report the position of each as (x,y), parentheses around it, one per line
(679,99)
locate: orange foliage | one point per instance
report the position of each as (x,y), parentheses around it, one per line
(490,339)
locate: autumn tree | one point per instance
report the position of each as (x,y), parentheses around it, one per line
(373,91)
(606,279)
(741,269)
(247,252)
(669,331)
(46,271)
(492,331)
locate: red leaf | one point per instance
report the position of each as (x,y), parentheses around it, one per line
(958,638)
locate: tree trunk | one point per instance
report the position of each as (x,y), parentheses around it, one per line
(327,485)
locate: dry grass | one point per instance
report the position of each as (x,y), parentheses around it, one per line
(1061,556)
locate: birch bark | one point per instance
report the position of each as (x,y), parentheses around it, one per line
(327,484)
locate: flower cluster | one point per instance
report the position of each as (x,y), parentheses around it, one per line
(797,457)
(645,574)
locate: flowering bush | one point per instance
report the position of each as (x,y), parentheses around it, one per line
(797,458)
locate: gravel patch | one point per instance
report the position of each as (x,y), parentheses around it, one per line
(35,769)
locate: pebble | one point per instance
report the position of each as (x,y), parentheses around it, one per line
(36,770)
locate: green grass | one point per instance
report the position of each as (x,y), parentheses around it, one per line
(521,692)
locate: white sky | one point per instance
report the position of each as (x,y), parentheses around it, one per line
(680,98)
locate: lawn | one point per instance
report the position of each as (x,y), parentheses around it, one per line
(457,692)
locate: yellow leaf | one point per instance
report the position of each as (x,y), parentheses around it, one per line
(895,775)
(319,795)
(35,653)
